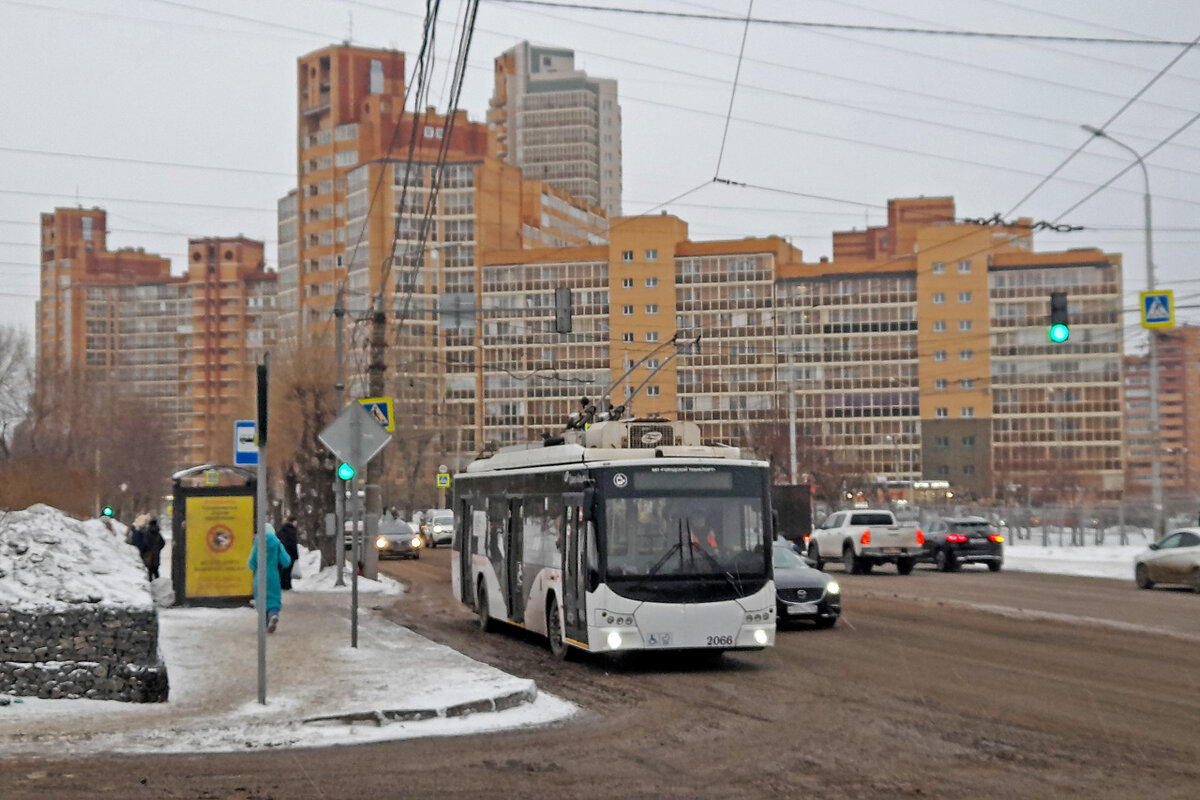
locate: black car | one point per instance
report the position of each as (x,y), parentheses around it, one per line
(397,539)
(802,592)
(954,541)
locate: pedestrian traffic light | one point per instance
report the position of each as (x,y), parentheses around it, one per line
(107,511)
(345,471)
(1060,326)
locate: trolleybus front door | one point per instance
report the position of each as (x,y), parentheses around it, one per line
(575,576)
(465,538)
(514,571)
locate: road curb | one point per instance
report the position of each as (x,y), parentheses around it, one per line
(382,717)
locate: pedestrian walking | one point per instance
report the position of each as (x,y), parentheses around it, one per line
(150,545)
(289,537)
(276,556)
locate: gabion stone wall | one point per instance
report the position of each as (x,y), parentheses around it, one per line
(102,653)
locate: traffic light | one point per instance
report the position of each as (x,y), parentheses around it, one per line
(345,471)
(562,310)
(107,511)
(1060,326)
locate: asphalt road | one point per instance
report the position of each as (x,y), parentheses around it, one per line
(972,685)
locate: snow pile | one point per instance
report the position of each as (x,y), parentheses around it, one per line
(50,561)
(316,579)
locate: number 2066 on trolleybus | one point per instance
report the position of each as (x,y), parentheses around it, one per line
(629,535)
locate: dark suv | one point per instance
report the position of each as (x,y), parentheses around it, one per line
(954,541)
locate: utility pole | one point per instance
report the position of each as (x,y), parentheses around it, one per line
(375,369)
(339,485)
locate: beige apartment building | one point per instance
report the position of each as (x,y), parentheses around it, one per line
(558,124)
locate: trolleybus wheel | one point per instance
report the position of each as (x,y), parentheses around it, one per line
(481,608)
(558,647)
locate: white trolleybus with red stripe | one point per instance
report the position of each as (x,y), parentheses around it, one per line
(623,535)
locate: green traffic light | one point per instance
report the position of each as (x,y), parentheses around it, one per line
(345,471)
(107,511)
(1059,333)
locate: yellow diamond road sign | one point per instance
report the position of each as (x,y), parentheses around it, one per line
(1158,309)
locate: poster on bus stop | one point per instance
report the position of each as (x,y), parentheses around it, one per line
(220,533)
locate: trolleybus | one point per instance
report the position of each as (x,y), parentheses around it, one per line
(629,535)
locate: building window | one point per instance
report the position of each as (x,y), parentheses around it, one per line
(966,383)
(651,283)
(964,267)
(941,412)
(626,283)
(652,255)
(968,469)
(964,325)
(627,256)
(652,308)
(943,470)
(939,355)
(966,355)
(940,383)
(627,311)
(651,336)
(939,298)
(968,441)
(652,391)
(941,441)
(939,268)
(939,326)
(967,412)
(964,297)
(627,338)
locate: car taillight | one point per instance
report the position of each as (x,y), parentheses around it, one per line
(997,538)
(866,537)
(955,537)
(920,536)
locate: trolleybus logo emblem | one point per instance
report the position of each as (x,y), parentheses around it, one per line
(620,481)
(652,437)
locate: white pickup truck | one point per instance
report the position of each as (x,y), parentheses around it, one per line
(864,537)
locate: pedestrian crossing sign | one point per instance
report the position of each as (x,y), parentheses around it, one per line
(1158,309)
(380,409)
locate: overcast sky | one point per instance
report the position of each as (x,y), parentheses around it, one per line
(179,118)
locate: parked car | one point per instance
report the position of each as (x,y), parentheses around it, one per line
(438,528)
(802,592)
(1173,559)
(954,541)
(397,539)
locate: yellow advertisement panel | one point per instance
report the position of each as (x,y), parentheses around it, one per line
(220,533)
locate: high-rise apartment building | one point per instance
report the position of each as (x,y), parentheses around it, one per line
(558,124)
(183,344)
(1178,436)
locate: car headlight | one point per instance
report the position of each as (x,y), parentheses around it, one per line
(437,528)
(381,543)
(833,588)
(416,541)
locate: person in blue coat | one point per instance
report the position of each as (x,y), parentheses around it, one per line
(276,557)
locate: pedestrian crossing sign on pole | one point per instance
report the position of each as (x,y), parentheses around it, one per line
(1158,309)
(380,409)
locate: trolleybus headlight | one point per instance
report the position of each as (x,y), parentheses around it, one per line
(833,588)
(614,641)
(760,637)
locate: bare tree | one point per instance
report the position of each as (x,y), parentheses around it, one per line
(16,383)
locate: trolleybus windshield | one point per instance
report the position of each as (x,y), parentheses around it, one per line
(671,525)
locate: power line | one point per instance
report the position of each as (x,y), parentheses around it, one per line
(1108,122)
(785,23)
(733,92)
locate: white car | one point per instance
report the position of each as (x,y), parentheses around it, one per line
(1173,559)
(438,529)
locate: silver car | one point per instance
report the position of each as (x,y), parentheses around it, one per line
(1173,559)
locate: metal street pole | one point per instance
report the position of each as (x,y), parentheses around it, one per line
(791,390)
(339,485)
(1155,434)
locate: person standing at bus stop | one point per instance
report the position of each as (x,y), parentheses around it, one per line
(276,557)
(289,537)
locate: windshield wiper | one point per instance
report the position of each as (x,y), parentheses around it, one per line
(675,548)
(693,545)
